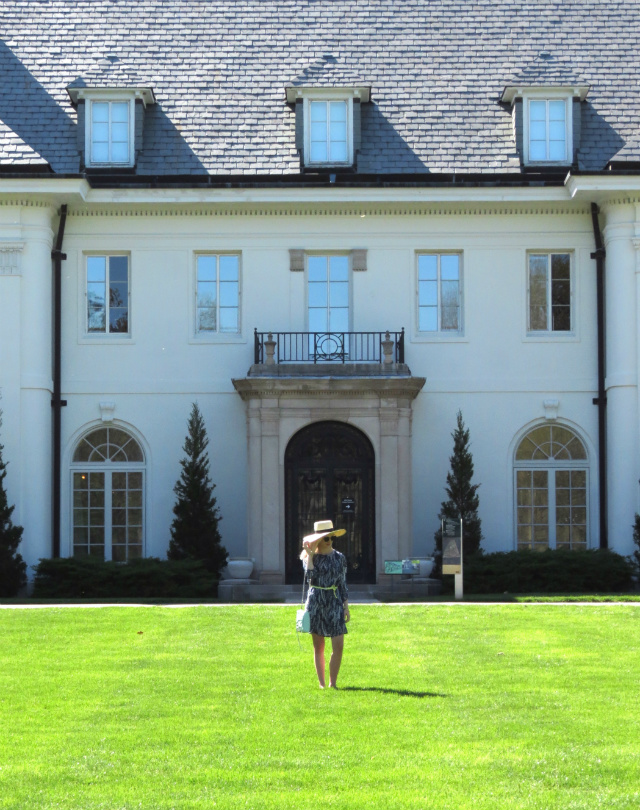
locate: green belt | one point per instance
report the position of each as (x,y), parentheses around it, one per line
(333,588)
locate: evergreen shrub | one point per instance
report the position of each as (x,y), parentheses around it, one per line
(550,571)
(87,578)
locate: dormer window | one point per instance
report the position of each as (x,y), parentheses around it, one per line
(546,123)
(327,124)
(549,130)
(330,132)
(110,124)
(110,137)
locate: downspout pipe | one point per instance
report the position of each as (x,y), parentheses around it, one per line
(601,400)
(57,403)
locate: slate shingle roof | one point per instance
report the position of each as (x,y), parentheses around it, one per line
(219,68)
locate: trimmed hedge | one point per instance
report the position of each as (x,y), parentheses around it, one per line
(550,571)
(86,578)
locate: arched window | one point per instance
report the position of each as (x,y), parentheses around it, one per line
(108,496)
(551,484)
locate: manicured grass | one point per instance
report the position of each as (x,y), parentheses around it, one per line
(467,706)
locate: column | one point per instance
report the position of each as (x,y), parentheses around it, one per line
(621,374)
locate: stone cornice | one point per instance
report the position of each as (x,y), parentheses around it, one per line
(251,388)
(331,210)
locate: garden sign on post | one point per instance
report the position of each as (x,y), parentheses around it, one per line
(452,552)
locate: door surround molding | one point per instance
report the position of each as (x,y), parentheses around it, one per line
(278,407)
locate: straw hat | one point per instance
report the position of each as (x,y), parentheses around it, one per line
(322,528)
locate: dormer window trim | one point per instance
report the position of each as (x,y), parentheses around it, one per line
(309,105)
(113,121)
(548,95)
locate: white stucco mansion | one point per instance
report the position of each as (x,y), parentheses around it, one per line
(332,239)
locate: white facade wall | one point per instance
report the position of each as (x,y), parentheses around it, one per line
(494,373)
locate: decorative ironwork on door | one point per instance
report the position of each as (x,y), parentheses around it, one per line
(329,474)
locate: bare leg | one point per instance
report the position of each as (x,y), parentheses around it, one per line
(318,657)
(337,645)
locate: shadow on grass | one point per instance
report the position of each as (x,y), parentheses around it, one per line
(401,692)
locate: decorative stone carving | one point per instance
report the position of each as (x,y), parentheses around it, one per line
(551,409)
(296,260)
(11,258)
(106,411)
(358,259)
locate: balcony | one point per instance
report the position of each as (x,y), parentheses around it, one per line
(385,349)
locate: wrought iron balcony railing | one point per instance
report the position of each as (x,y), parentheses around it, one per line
(329,347)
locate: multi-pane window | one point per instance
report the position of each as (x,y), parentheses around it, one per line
(548,138)
(551,475)
(108,294)
(110,141)
(217,293)
(328,293)
(439,292)
(108,496)
(328,132)
(549,292)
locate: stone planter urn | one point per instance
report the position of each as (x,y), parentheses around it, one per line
(239,568)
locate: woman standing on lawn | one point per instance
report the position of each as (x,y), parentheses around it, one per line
(327,601)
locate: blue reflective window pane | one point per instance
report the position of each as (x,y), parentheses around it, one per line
(318,152)
(228,293)
(317,268)
(118,320)
(557,110)
(120,152)
(318,320)
(557,150)
(318,294)
(119,111)
(228,319)
(339,268)
(537,111)
(339,320)
(449,268)
(537,150)
(207,268)
(338,112)
(100,111)
(427,267)
(318,111)
(119,132)
(228,268)
(428,319)
(428,293)
(96,268)
(100,153)
(338,152)
(100,133)
(339,294)
(538,131)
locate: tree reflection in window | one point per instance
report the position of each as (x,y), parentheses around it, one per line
(551,479)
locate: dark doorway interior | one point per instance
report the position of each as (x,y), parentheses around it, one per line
(329,475)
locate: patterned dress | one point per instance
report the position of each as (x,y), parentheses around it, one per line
(326,607)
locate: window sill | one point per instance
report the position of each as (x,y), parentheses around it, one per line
(439,337)
(111,340)
(216,337)
(550,337)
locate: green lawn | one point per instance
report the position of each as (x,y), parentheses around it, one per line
(464,706)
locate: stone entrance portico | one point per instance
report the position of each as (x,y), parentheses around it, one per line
(281,400)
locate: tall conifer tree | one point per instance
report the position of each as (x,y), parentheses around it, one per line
(13,569)
(194,531)
(463,499)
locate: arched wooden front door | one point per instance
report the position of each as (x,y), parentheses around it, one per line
(329,475)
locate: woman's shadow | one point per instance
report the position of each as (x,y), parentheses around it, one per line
(384,691)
